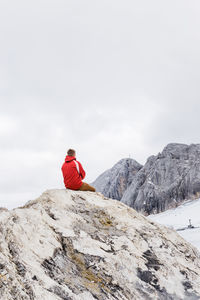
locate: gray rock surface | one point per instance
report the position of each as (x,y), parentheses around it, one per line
(166,180)
(113,182)
(82,246)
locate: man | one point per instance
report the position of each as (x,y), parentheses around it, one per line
(73,173)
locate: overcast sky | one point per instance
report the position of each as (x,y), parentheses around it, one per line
(110,78)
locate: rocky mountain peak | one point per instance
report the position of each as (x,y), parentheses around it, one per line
(178,151)
(82,246)
(166,180)
(113,182)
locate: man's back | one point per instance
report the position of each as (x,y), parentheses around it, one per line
(73,173)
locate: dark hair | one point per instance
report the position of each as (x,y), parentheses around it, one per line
(71,152)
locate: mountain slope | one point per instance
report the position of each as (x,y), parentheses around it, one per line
(113,182)
(80,245)
(180,219)
(166,180)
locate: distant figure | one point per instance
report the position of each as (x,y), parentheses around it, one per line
(73,173)
(190,224)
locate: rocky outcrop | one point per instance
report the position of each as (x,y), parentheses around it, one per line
(166,180)
(83,246)
(113,182)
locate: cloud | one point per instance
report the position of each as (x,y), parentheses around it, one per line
(8,126)
(109,79)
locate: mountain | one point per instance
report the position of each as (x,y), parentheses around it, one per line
(82,246)
(166,180)
(113,182)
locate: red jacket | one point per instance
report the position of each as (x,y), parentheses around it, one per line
(72,179)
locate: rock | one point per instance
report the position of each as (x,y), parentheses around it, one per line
(113,182)
(82,246)
(166,180)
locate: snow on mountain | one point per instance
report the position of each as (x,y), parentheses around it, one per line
(181,219)
(113,182)
(82,246)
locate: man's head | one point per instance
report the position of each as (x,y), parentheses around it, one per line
(71,152)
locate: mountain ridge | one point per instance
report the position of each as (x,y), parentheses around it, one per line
(166,180)
(83,246)
(113,182)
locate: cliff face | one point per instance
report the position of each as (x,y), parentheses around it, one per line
(81,245)
(113,182)
(166,179)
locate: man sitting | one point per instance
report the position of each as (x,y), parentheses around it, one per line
(73,173)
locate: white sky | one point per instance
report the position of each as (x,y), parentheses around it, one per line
(110,78)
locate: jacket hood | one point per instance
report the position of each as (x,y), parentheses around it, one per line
(69,158)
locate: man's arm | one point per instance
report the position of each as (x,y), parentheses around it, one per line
(82,172)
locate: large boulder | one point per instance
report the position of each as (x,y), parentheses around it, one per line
(113,182)
(166,180)
(82,246)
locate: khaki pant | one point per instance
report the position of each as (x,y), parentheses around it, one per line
(86,187)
